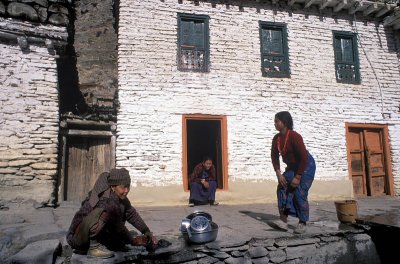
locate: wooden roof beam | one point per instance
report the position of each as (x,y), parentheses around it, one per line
(396,26)
(391,20)
(340,6)
(324,4)
(291,2)
(308,3)
(372,8)
(357,6)
(383,10)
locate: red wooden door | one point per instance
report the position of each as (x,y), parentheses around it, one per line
(358,174)
(375,161)
(369,161)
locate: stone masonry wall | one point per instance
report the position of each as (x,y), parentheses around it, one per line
(95,42)
(28,124)
(154,94)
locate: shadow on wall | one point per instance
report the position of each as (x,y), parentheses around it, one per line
(71,98)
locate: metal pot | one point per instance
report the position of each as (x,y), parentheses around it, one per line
(201,237)
(198,228)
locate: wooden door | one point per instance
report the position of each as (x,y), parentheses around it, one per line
(375,162)
(86,159)
(369,160)
(357,160)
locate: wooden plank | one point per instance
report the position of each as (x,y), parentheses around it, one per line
(89,133)
(324,4)
(391,20)
(291,2)
(308,3)
(383,10)
(61,180)
(112,151)
(87,123)
(388,161)
(356,161)
(370,9)
(396,25)
(340,6)
(358,6)
(375,160)
(358,185)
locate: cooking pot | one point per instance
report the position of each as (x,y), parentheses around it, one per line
(199,228)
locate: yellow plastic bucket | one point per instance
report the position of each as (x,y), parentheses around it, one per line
(346,211)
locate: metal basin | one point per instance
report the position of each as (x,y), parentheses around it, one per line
(200,237)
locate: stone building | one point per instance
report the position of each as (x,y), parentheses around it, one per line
(189,78)
(32,35)
(207,77)
(58,106)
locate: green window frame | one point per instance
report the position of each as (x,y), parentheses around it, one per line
(193,42)
(347,65)
(274,50)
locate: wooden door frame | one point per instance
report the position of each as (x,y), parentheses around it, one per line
(81,129)
(386,150)
(224,147)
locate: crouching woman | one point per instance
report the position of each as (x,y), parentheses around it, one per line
(99,225)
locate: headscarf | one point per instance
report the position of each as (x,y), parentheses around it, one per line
(103,184)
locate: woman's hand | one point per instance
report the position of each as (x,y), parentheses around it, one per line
(296,181)
(154,240)
(151,237)
(281,179)
(205,183)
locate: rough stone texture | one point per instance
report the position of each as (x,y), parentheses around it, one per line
(21,225)
(28,123)
(95,42)
(44,251)
(23,11)
(37,10)
(154,94)
(2,9)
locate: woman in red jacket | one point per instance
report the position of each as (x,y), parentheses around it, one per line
(298,176)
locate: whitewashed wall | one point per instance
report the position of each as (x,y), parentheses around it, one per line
(28,124)
(154,94)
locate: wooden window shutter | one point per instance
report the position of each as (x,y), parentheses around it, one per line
(338,49)
(193,45)
(198,36)
(346,57)
(186,29)
(274,50)
(275,44)
(347,49)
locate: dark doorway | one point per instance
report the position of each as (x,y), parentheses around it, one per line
(204,137)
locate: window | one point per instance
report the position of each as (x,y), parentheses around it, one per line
(193,43)
(346,57)
(274,50)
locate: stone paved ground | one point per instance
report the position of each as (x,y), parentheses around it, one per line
(26,231)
